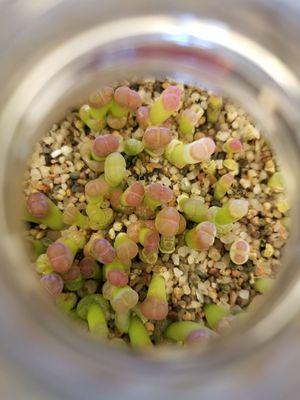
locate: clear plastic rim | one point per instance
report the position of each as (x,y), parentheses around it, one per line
(103,50)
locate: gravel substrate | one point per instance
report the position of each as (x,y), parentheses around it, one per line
(193,278)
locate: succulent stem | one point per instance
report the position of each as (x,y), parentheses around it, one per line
(41,210)
(263,285)
(194,209)
(232,211)
(214,314)
(72,216)
(122,321)
(223,185)
(66,301)
(138,334)
(189,332)
(96,321)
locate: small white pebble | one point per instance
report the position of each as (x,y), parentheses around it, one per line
(133,218)
(245,183)
(190,259)
(117,226)
(56,153)
(66,150)
(223,136)
(177,272)
(244,294)
(175,259)
(111,233)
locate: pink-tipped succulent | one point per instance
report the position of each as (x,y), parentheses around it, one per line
(114,169)
(93,114)
(189,332)
(194,209)
(89,268)
(53,283)
(60,257)
(181,154)
(223,185)
(72,216)
(232,211)
(133,195)
(104,145)
(85,149)
(155,306)
(115,201)
(149,239)
(157,194)
(133,229)
(143,211)
(123,299)
(239,252)
(143,116)
(233,146)
(201,237)
(167,221)
(96,190)
(116,273)
(103,251)
(100,102)
(188,120)
(156,138)
(125,247)
(125,100)
(165,105)
(40,209)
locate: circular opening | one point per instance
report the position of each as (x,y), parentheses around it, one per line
(203,53)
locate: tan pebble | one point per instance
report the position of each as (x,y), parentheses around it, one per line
(117,226)
(214,254)
(187,316)
(175,259)
(111,233)
(186,289)
(183,251)
(177,272)
(269,251)
(190,259)
(245,183)
(149,326)
(56,153)
(270,166)
(244,294)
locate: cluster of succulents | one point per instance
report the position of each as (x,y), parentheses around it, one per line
(88,273)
